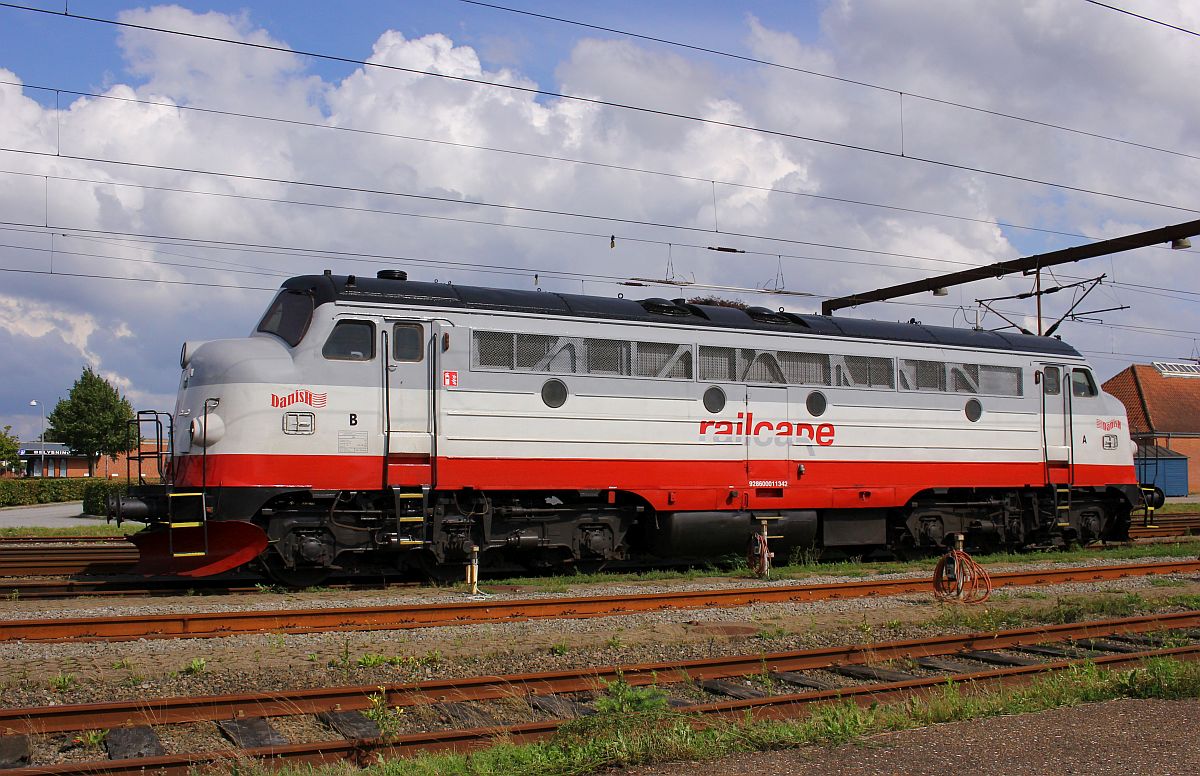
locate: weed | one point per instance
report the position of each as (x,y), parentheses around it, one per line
(1075,609)
(1167,582)
(385,716)
(1184,601)
(614,642)
(371,660)
(620,697)
(264,587)
(313,657)
(770,634)
(124,664)
(559,649)
(275,641)
(893,625)
(62,682)
(92,738)
(194,667)
(15,595)
(809,555)
(343,661)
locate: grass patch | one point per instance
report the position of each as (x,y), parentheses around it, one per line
(809,565)
(88,529)
(1066,609)
(634,728)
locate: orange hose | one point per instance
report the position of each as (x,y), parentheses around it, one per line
(970,583)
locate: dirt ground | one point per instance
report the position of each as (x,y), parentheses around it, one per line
(1116,738)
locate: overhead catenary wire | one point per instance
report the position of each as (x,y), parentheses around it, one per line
(905,92)
(544,157)
(66,13)
(367,64)
(1144,18)
(461,202)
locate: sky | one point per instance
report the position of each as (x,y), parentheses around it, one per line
(156,187)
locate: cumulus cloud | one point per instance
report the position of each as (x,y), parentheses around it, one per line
(1042,58)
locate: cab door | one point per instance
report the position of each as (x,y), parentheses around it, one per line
(1056,425)
(408,354)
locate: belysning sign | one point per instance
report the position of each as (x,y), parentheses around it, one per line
(27,451)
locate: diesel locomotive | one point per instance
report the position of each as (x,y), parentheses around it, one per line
(384,423)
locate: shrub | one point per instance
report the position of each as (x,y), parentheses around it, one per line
(24,492)
(96,492)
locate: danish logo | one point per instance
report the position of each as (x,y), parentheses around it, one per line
(1108,425)
(299,396)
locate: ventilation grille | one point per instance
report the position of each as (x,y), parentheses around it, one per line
(953,377)
(543,353)
(748,365)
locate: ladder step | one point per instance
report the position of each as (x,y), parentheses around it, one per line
(410,520)
(186,525)
(187,554)
(410,542)
(410,495)
(183,495)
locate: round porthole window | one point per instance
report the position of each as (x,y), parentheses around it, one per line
(714,399)
(554,393)
(974,410)
(816,404)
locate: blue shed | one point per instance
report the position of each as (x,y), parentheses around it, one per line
(1162,467)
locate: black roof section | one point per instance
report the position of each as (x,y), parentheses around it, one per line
(411,293)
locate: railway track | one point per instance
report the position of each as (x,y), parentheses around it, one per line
(219,624)
(115,555)
(95,559)
(762,686)
(1177,524)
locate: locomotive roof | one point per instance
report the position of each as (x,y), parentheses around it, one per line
(411,293)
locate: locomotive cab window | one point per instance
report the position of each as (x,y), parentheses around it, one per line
(288,316)
(408,342)
(351,341)
(1082,384)
(1051,381)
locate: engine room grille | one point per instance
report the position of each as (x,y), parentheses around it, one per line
(954,377)
(763,366)
(543,353)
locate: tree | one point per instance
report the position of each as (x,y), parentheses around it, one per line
(93,420)
(9,445)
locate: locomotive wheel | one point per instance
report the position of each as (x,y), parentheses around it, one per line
(295,577)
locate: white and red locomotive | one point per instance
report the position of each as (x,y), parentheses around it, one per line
(375,423)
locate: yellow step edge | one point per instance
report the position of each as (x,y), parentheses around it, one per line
(409,495)
(185,525)
(411,520)
(179,495)
(187,554)
(411,541)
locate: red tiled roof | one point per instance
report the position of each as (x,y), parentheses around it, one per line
(1157,403)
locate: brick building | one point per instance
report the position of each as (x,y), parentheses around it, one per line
(1162,402)
(55,459)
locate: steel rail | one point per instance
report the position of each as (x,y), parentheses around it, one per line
(171,710)
(338,619)
(62,560)
(61,539)
(362,752)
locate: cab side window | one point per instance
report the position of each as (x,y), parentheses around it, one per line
(408,342)
(1051,381)
(351,341)
(1082,384)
